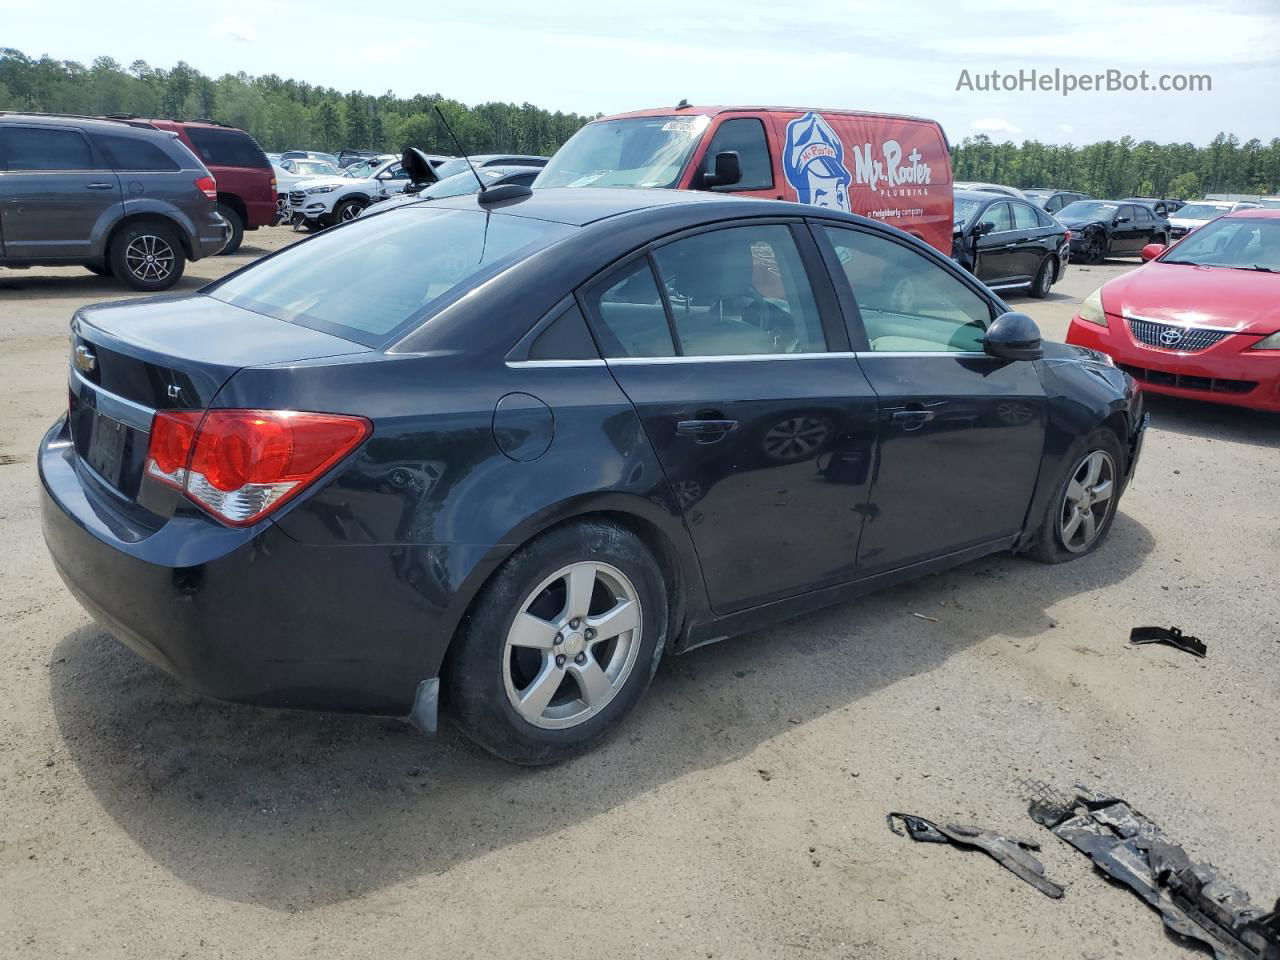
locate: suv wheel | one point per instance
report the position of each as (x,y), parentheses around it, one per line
(237,229)
(561,643)
(147,256)
(347,211)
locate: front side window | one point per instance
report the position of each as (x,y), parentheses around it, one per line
(631,152)
(41,148)
(370,280)
(741,291)
(745,136)
(1000,215)
(908,303)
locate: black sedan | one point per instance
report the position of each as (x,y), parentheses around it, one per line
(509,453)
(1111,228)
(1008,244)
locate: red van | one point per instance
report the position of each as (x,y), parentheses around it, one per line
(246,182)
(894,169)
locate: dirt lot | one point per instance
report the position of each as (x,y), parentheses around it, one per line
(739,814)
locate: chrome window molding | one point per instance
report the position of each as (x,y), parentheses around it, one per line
(732,358)
(522,364)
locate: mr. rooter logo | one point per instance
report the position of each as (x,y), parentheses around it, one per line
(891,171)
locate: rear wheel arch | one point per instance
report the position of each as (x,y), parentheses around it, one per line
(137,218)
(235,203)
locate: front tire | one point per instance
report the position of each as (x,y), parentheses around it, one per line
(1084,503)
(347,211)
(147,256)
(230,215)
(560,644)
(1097,249)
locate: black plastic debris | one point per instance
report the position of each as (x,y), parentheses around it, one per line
(1191,897)
(1170,635)
(1010,852)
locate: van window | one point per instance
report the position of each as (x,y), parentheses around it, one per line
(133,153)
(227,148)
(746,136)
(40,148)
(631,152)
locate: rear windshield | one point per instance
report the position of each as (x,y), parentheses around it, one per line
(227,148)
(378,276)
(1202,211)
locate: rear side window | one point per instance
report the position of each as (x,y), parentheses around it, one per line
(42,148)
(226,148)
(371,279)
(134,153)
(632,314)
(741,291)
(746,136)
(1024,217)
(908,303)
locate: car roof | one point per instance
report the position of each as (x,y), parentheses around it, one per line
(579,206)
(74,120)
(982,195)
(1253,213)
(695,110)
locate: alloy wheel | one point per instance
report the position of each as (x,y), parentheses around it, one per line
(1088,501)
(149,257)
(573,645)
(350,212)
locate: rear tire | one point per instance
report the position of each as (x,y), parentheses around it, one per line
(230,215)
(147,256)
(530,698)
(1084,503)
(1044,278)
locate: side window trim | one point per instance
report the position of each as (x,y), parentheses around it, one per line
(849,303)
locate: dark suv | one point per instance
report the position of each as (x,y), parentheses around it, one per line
(246,182)
(118,197)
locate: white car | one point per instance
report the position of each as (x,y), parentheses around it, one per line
(325,201)
(1199,212)
(289,173)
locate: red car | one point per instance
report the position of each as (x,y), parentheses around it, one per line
(246,182)
(1202,318)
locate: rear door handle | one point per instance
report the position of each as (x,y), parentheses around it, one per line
(99,186)
(705,431)
(912,419)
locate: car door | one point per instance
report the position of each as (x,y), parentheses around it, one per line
(961,433)
(1126,232)
(730,344)
(54,190)
(996,255)
(1031,245)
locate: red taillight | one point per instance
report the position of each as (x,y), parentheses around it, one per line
(242,464)
(208,186)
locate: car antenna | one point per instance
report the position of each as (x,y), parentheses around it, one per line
(457,144)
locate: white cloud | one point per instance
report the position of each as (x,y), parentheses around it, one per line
(994,125)
(235,28)
(1066,128)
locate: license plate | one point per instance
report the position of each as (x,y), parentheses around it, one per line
(106,448)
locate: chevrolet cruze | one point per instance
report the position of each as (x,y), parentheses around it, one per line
(504,452)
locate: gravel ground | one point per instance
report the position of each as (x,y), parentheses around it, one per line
(739,814)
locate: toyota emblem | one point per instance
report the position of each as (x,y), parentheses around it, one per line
(1171,336)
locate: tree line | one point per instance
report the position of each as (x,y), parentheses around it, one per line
(280,114)
(283,114)
(1125,167)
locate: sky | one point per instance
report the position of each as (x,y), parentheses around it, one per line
(898,57)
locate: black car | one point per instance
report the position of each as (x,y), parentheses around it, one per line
(1008,244)
(1111,228)
(118,197)
(1161,206)
(510,452)
(1050,200)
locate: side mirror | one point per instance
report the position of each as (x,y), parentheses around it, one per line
(728,170)
(985,227)
(1151,251)
(417,166)
(1013,336)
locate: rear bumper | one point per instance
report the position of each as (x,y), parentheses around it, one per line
(1227,373)
(246,615)
(213,237)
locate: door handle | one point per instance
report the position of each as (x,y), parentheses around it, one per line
(705,431)
(99,186)
(912,418)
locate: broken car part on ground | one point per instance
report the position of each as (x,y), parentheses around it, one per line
(1170,635)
